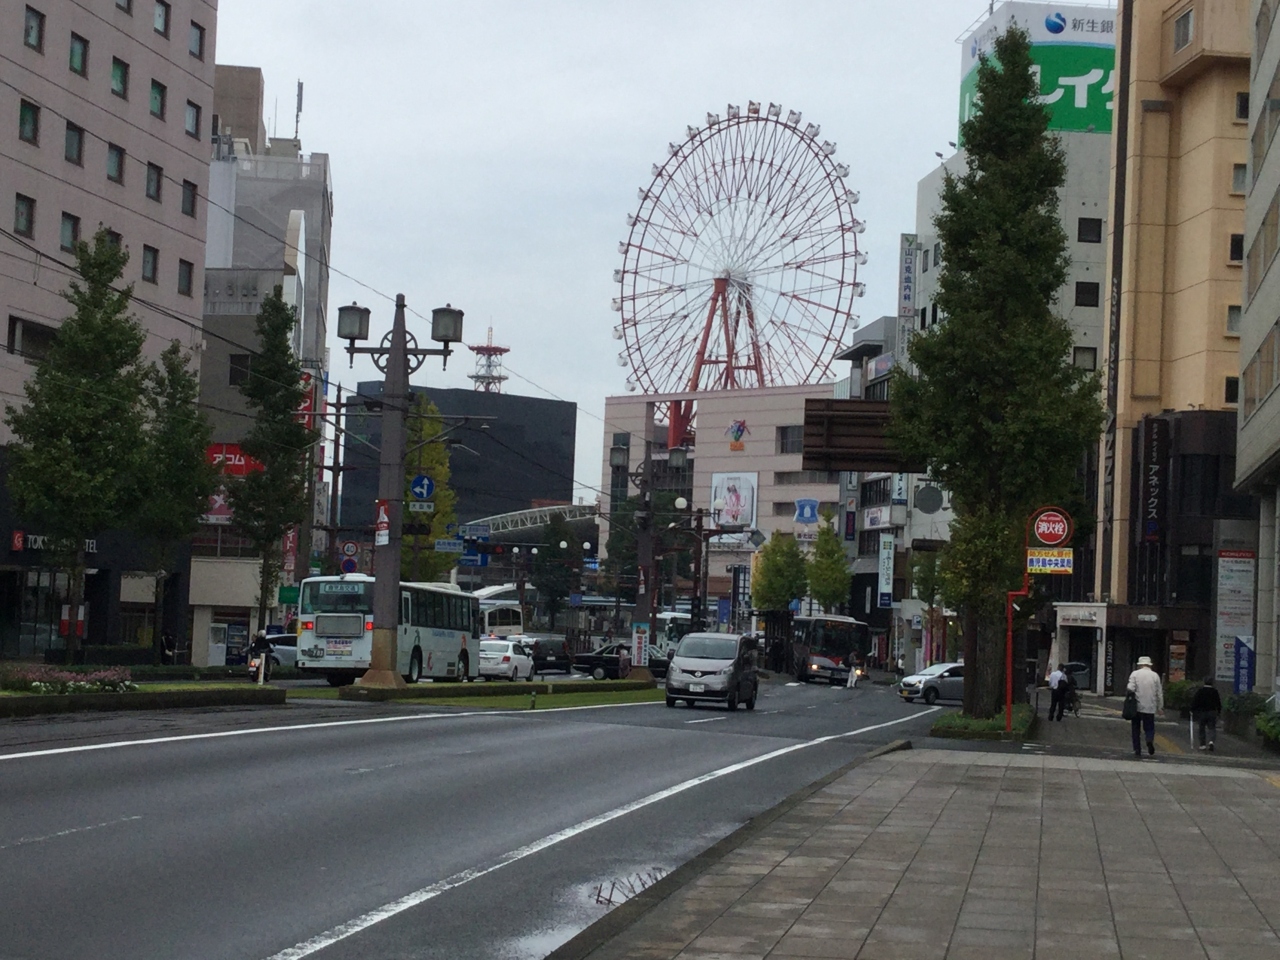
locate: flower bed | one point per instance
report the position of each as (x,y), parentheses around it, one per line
(46,680)
(958,726)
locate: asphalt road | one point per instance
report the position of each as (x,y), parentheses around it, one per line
(341,831)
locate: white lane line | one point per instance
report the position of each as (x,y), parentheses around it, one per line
(54,751)
(408,902)
(23,841)
(707,720)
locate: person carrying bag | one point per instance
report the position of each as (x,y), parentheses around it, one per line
(1147,693)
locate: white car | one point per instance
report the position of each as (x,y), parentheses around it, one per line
(505,659)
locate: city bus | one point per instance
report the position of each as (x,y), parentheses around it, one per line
(672,625)
(438,634)
(820,645)
(501,619)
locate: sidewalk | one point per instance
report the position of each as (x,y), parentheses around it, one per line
(953,855)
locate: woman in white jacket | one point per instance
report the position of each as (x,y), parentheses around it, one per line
(1144,684)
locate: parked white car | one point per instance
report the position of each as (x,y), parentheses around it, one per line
(505,660)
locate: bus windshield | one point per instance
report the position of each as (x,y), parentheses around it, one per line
(833,639)
(336,596)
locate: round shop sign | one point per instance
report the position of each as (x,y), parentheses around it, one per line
(1052,526)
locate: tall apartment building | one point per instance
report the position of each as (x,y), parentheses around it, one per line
(1176,544)
(1258,443)
(108,110)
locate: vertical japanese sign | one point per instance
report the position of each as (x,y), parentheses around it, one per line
(1072,52)
(640,644)
(1235,610)
(907,277)
(884,585)
(1155,479)
(851,518)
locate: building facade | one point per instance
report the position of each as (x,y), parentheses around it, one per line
(110,107)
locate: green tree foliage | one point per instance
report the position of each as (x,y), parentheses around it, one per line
(419,560)
(620,563)
(781,575)
(828,568)
(267,502)
(997,411)
(556,568)
(78,460)
(178,478)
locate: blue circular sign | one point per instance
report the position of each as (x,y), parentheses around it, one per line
(1055,23)
(349,564)
(422,487)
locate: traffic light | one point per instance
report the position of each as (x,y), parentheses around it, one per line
(484,546)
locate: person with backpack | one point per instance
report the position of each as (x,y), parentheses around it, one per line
(1205,707)
(1057,691)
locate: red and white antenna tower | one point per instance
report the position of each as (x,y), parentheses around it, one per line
(488,376)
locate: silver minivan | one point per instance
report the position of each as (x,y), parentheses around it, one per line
(719,667)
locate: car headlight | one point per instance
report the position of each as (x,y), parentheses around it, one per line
(726,671)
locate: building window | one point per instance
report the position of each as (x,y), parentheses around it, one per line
(70,235)
(238,371)
(195,41)
(188,198)
(933,314)
(1088,293)
(78,60)
(1236,252)
(876,493)
(74,148)
(924,262)
(29,122)
(191,120)
(1182,30)
(159,94)
(1239,177)
(1231,394)
(119,78)
(29,340)
(125,5)
(114,238)
(869,542)
(186,277)
(791,439)
(24,215)
(1089,230)
(1242,105)
(150,263)
(1233,319)
(161,19)
(937,254)
(1086,358)
(115,163)
(33,30)
(924,318)
(155,177)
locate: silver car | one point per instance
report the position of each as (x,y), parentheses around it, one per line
(720,667)
(941,681)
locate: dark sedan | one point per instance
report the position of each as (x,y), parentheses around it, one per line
(549,653)
(612,661)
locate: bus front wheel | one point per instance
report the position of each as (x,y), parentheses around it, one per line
(415,667)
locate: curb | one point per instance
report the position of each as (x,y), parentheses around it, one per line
(437,691)
(36,705)
(625,914)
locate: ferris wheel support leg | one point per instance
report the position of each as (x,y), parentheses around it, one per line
(679,418)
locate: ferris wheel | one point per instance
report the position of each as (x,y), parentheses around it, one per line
(741,266)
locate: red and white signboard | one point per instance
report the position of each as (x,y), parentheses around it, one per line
(382,527)
(230,460)
(1052,527)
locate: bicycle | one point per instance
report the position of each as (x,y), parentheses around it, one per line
(1073,702)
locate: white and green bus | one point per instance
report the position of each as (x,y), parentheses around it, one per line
(438,634)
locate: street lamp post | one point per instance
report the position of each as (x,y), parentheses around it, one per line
(397,359)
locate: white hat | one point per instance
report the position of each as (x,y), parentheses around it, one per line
(1144,661)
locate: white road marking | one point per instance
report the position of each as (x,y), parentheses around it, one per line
(85,748)
(23,841)
(707,720)
(408,902)
(794,683)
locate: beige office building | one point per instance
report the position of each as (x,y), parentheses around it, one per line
(1168,514)
(107,111)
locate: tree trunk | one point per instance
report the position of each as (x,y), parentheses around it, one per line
(969,648)
(76,601)
(157,643)
(264,585)
(988,670)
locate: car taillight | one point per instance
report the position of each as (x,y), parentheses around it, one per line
(506,659)
(368,624)
(308,624)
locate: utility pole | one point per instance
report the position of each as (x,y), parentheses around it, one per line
(397,359)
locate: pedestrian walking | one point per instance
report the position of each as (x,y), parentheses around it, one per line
(1205,707)
(1144,684)
(1058,687)
(851,661)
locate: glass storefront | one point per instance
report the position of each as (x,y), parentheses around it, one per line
(30,612)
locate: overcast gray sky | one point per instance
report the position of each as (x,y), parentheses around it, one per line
(486,153)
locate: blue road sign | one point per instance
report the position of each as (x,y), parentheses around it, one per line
(422,487)
(349,565)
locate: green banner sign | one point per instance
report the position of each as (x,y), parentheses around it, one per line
(1077,83)
(287,594)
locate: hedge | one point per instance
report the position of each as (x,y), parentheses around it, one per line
(436,691)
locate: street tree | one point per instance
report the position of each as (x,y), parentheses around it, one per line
(996,408)
(77,461)
(177,476)
(554,566)
(828,568)
(926,581)
(271,498)
(672,546)
(780,575)
(426,453)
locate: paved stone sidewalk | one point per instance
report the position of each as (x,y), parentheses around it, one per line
(942,855)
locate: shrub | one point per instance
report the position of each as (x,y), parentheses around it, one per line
(1268,727)
(40,678)
(1245,704)
(1178,694)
